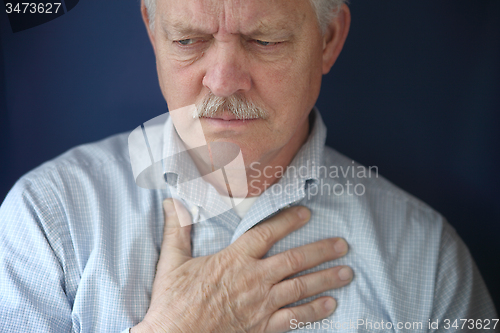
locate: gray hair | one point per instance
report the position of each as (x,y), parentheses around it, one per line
(326,10)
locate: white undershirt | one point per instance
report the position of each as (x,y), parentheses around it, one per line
(242,208)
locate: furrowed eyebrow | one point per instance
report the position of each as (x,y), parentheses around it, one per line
(265,30)
(278,30)
(180,29)
(273,33)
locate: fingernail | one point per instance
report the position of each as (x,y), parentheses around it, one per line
(340,246)
(303,213)
(168,206)
(329,304)
(345,274)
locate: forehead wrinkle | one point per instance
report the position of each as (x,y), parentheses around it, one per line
(231,16)
(191,17)
(259,20)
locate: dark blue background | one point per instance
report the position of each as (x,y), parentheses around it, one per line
(415,92)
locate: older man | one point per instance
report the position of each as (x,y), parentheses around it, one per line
(80,241)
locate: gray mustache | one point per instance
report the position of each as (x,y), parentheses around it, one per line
(238,105)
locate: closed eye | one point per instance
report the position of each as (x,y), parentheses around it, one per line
(264,43)
(186,42)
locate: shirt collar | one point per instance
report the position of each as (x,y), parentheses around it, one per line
(182,175)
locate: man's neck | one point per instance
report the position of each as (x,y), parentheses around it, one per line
(261,174)
(269,170)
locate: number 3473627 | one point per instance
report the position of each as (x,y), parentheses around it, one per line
(33,8)
(461,324)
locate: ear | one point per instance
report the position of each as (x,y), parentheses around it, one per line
(145,18)
(335,36)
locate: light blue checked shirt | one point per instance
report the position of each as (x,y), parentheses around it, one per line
(79,242)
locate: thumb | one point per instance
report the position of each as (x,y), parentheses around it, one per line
(176,246)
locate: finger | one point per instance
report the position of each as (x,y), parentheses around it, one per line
(304,257)
(293,290)
(258,240)
(176,245)
(288,318)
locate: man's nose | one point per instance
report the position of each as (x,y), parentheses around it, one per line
(227,72)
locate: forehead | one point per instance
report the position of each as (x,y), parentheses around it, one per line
(234,16)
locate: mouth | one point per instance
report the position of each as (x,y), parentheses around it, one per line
(227,121)
(227,116)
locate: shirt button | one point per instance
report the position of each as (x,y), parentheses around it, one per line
(194,213)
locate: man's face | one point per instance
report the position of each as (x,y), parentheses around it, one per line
(268,52)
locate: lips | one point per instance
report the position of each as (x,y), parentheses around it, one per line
(227,116)
(227,123)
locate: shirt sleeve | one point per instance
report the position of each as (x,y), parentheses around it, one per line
(460,292)
(33,283)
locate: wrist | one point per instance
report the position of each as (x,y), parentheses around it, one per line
(142,327)
(146,326)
